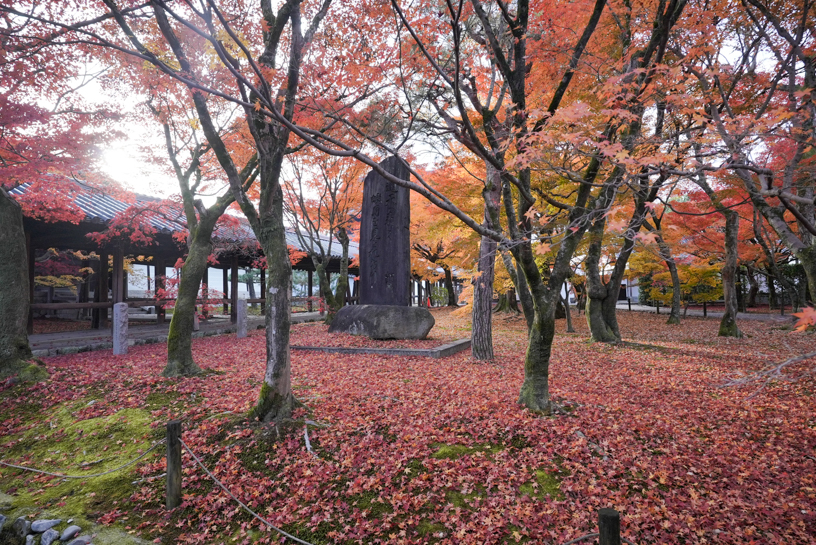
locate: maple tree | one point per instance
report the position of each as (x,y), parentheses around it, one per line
(467,94)
(200,220)
(323,199)
(439,241)
(47,133)
(265,93)
(755,119)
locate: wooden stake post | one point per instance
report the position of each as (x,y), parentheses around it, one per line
(608,527)
(173,464)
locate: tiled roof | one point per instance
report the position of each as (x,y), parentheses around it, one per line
(100,208)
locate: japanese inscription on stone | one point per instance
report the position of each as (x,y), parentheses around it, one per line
(385,244)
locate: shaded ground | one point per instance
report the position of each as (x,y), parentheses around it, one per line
(412,450)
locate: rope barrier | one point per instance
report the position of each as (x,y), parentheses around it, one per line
(221,485)
(592,536)
(61,476)
(242,504)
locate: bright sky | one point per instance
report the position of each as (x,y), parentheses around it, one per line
(124,162)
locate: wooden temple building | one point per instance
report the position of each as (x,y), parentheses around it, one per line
(235,248)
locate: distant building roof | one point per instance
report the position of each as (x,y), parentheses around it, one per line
(101,209)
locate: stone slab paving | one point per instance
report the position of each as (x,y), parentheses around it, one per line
(698,313)
(439,352)
(72,342)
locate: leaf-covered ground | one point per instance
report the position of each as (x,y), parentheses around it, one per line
(414,450)
(316,334)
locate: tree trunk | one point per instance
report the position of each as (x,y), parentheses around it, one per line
(522,289)
(15,351)
(324,287)
(180,360)
(501,303)
(512,302)
(674,314)
(482,331)
(602,323)
(276,400)
(580,297)
(728,324)
(482,326)
(449,287)
(342,281)
(772,302)
(597,295)
(665,253)
(807,257)
(250,284)
(504,305)
(753,290)
(535,390)
(565,302)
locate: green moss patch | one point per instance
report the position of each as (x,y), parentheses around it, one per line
(91,446)
(370,501)
(544,485)
(162,399)
(430,529)
(464,500)
(454,452)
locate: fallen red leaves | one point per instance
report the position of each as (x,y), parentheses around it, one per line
(316,334)
(649,432)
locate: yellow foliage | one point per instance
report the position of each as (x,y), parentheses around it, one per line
(64,281)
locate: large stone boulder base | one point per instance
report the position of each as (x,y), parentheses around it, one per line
(383,321)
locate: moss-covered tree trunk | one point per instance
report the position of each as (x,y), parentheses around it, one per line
(535,390)
(342,280)
(324,287)
(180,361)
(15,352)
(506,302)
(728,324)
(602,297)
(276,400)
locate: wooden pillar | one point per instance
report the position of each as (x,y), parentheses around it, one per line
(83,291)
(355,291)
(160,275)
(234,290)
(30,252)
(263,291)
(118,278)
(100,319)
(311,285)
(226,291)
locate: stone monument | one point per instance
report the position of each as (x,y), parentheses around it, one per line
(385,238)
(385,310)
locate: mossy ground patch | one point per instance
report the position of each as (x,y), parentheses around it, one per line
(61,445)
